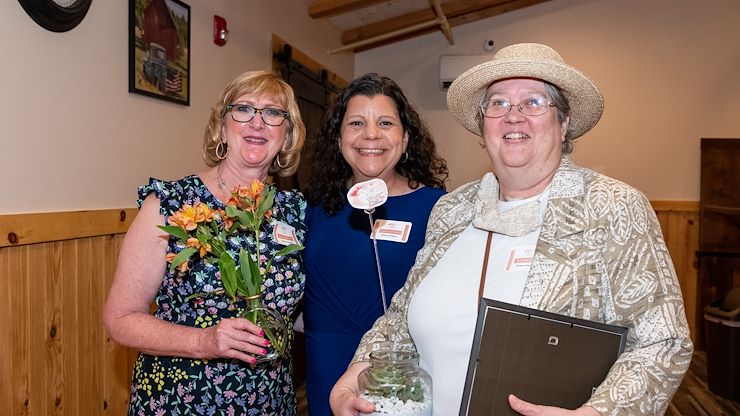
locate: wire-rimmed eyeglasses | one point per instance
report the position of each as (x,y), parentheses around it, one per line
(499,107)
(244,113)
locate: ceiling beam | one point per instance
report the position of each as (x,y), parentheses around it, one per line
(444,25)
(457,13)
(329,8)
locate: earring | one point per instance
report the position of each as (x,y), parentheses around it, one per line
(405,156)
(277,162)
(221,150)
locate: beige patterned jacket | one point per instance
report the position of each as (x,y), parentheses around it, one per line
(600,256)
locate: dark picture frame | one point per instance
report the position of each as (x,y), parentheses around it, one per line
(159,49)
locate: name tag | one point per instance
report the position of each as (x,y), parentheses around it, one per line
(391,230)
(284,234)
(520,259)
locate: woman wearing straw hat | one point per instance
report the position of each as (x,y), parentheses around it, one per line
(584,245)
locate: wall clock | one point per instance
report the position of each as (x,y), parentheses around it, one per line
(56,15)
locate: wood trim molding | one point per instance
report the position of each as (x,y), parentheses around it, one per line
(20,229)
(687,206)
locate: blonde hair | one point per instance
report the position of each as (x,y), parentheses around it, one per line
(259,83)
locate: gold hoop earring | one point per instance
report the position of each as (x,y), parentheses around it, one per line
(277,162)
(221,150)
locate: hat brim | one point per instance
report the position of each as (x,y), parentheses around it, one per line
(465,94)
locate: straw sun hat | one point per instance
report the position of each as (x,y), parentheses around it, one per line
(526,60)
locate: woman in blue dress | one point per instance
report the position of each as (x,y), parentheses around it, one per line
(196,356)
(371,132)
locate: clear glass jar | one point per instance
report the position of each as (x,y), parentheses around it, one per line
(396,384)
(270,320)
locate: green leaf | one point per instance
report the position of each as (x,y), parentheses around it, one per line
(290,248)
(217,247)
(202,233)
(245,266)
(247,219)
(241,217)
(256,276)
(182,257)
(241,287)
(268,197)
(231,211)
(227,267)
(176,231)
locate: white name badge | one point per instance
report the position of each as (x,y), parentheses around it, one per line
(520,258)
(391,230)
(284,234)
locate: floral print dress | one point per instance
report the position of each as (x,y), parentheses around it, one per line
(164,385)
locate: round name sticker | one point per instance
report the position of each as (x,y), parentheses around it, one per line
(368,195)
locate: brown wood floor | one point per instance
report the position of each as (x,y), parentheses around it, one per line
(693,397)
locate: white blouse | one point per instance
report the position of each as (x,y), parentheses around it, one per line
(443,311)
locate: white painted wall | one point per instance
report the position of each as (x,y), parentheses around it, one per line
(669,71)
(74,138)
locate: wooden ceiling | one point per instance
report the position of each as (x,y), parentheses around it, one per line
(367,24)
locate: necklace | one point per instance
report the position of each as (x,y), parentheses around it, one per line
(221,183)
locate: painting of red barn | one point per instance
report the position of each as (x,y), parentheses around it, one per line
(159,49)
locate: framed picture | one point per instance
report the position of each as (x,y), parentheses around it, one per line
(159,49)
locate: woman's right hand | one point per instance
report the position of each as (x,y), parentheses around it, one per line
(233,338)
(343,399)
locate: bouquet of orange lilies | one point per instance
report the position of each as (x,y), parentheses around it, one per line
(203,230)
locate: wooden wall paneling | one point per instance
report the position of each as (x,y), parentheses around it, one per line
(20,332)
(93,257)
(35,318)
(63,285)
(681,232)
(119,361)
(55,356)
(55,329)
(6,353)
(79,358)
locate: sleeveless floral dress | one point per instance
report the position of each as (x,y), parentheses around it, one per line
(177,386)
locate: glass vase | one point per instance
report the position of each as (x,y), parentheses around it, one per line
(396,384)
(271,322)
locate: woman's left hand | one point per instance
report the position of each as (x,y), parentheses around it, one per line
(530,409)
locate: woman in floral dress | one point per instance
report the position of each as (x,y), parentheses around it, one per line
(196,356)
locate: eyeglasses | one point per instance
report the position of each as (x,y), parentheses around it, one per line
(499,107)
(244,113)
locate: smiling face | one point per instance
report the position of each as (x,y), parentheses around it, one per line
(254,144)
(525,149)
(372,138)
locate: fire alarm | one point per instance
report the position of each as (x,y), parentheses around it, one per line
(220,32)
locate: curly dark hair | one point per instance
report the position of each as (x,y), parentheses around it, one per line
(328,172)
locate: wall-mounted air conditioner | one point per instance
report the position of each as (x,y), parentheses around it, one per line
(451,66)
